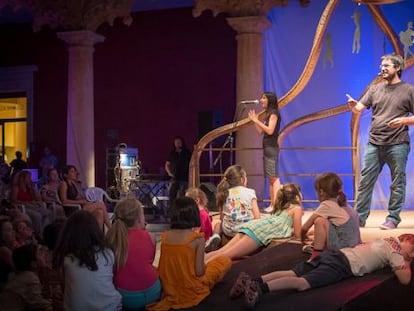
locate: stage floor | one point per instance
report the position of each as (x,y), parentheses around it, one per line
(376,218)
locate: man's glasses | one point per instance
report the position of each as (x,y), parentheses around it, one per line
(385,66)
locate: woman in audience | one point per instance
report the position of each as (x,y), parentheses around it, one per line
(24,192)
(87,265)
(70,193)
(49,192)
(135,276)
(285,221)
(186,279)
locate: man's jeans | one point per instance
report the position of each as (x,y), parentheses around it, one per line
(395,156)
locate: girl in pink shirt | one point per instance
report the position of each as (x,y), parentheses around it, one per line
(200,197)
(135,277)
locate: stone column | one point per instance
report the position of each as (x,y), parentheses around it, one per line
(249,85)
(80,109)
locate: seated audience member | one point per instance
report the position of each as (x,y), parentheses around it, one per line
(336,225)
(69,193)
(135,277)
(87,265)
(50,192)
(50,278)
(23,192)
(7,246)
(332,266)
(285,221)
(24,284)
(237,203)
(186,280)
(23,233)
(47,162)
(4,171)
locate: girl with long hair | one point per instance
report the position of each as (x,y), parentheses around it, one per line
(269,128)
(86,263)
(135,276)
(236,202)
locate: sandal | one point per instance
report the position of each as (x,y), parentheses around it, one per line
(252,294)
(238,287)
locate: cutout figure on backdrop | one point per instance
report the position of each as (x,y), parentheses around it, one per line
(328,56)
(406,38)
(356,43)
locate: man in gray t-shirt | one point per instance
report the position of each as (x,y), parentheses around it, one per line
(392,104)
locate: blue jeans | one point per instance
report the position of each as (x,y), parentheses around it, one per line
(395,156)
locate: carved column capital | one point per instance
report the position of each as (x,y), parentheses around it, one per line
(249,24)
(74,14)
(239,8)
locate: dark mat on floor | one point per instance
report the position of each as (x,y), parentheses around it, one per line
(376,291)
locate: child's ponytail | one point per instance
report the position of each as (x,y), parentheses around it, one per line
(232,178)
(342,201)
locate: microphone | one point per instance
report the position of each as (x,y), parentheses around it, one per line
(250,102)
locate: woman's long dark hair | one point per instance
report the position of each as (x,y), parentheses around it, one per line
(272,103)
(81,238)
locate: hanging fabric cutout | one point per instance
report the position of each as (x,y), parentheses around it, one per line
(406,38)
(356,43)
(328,56)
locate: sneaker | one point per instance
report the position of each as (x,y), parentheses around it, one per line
(213,243)
(268,210)
(238,287)
(308,249)
(252,294)
(388,225)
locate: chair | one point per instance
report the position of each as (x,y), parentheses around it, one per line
(96,194)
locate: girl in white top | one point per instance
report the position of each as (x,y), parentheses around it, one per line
(237,203)
(87,265)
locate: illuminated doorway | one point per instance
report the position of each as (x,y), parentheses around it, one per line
(13,125)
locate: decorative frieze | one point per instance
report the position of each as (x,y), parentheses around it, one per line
(71,15)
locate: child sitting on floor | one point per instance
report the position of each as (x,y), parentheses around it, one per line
(135,277)
(87,265)
(185,279)
(200,198)
(237,203)
(332,266)
(213,239)
(336,225)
